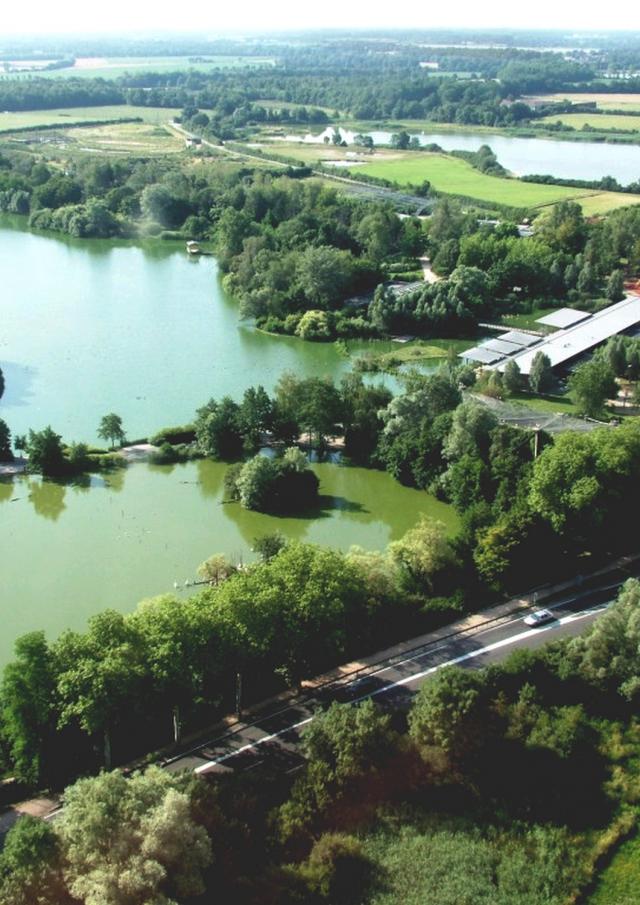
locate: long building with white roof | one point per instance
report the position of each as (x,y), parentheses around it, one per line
(563,345)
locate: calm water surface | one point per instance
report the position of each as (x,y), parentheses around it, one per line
(67,552)
(90,327)
(526,156)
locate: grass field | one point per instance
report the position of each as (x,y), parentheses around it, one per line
(604,202)
(620,881)
(603,122)
(69,116)
(114,67)
(529,321)
(392,355)
(603,101)
(452,176)
(457,177)
(546,404)
(127,138)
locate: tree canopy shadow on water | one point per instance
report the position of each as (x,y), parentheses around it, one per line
(323,508)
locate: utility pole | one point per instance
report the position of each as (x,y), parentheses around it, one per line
(238,694)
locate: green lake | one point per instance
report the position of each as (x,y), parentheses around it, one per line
(69,551)
(90,327)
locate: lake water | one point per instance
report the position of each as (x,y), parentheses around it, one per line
(525,156)
(90,327)
(67,552)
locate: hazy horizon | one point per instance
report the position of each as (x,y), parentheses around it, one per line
(74,18)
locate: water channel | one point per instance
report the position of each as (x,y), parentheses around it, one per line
(90,327)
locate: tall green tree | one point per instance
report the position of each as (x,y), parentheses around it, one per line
(132,841)
(423,552)
(218,429)
(27,707)
(111,429)
(609,653)
(512,376)
(541,375)
(45,453)
(591,384)
(99,674)
(31,865)
(615,286)
(447,713)
(6,453)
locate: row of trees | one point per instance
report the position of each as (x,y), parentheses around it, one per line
(130,681)
(311,407)
(49,456)
(528,736)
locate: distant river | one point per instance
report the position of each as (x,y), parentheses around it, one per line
(526,156)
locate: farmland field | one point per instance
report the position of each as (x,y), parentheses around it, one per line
(599,121)
(114,67)
(450,175)
(603,101)
(603,202)
(454,176)
(127,138)
(71,115)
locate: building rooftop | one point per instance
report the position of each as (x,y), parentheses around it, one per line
(519,339)
(482,355)
(566,344)
(502,346)
(563,317)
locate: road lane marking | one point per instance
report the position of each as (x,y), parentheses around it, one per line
(462,658)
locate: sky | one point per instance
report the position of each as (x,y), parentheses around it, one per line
(209,16)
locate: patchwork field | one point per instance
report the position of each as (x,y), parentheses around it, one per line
(600,121)
(603,101)
(114,67)
(126,138)
(32,119)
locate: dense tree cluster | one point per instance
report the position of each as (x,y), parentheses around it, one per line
(312,408)
(281,484)
(528,736)
(287,248)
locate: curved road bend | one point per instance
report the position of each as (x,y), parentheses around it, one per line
(275,736)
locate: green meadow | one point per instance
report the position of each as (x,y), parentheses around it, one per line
(114,67)
(603,122)
(457,177)
(70,116)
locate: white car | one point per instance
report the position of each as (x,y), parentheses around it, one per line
(539,617)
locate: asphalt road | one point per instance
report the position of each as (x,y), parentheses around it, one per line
(273,737)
